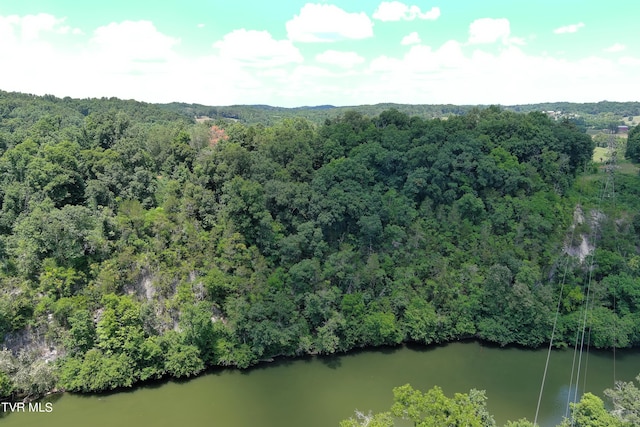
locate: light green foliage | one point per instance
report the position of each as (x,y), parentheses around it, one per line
(433,408)
(626,402)
(590,412)
(520,423)
(97,371)
(120,328)
(82,333)
(383,419)
(58,281)
(26,374)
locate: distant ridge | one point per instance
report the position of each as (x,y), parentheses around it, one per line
(594,114)
(319,107)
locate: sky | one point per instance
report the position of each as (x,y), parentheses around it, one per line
(344,52)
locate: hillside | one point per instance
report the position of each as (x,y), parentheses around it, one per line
(138,244)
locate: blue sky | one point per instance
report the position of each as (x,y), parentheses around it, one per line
(346,52)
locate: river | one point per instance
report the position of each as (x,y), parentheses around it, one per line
(319,392)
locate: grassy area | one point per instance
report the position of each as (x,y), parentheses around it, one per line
(600,155)
(635,121)
(627,168)
(623,166)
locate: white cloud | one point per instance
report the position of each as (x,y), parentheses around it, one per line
(137,60)
(412,38)
(459,74)
(632,62)
(569,28)
(616,47)
(257,48)
(126,60)
(423,59)
(328,23)
(33,25)
(201,25)
(450,55)
(30,28)
(341,59)
(132,40)
(489,30)
(396,11)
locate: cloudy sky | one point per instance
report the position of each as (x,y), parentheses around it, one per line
(343,52)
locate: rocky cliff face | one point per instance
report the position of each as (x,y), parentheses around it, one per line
(580,244)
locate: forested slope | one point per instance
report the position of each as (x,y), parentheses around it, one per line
(136,244)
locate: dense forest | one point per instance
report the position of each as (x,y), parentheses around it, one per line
(136,243)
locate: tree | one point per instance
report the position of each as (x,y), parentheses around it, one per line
(626,401)
(120,328)
(199,331)
(182,360)
(633,145)
(6,386)
(381,328)
(590,412)
(104,129)
(82,334)
(97,371)
(433,408)
(421,321)
(151,360)
(244,202)
(520,423)
(382,419)
(28,375)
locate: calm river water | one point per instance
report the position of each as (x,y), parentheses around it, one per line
(319,392)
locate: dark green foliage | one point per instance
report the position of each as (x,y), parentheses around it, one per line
(180,359)
(633,145)
(82,334)
(199,330)
(97,371)
(6,386)
(421,321)
(146,247)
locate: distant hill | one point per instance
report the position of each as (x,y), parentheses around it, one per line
(595,115)
(600,115)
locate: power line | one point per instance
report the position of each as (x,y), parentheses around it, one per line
(580,333)
(607,184)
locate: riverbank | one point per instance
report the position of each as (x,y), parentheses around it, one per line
(320,391)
